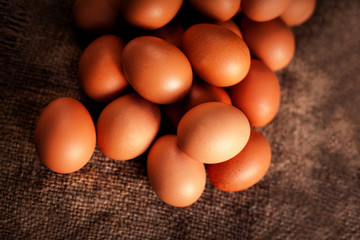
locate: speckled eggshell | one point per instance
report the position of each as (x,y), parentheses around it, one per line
(127,127)
(100,72)
(157,70)
(217,55)
(149,14)
(298,12)
(65,135)
(221,10)
(231,25)
(213,132)
(200,92)
(245,169)
(258,95)
(176,178)
(264,10)
(273,41)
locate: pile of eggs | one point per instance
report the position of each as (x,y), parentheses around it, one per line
(187,64)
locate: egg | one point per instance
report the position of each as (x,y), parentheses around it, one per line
(176,178)
(127,127)
(245,169)
(157,70)
(95,16)
(258,95)
(100,72)
(273,41)
(200,92)
(65,136)
(149,14)
(217,55)
(231,25)
(221,10)
(213,132)
(171,32)
(264,10)
(298,12)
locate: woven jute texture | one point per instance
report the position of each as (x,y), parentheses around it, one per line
(312,189)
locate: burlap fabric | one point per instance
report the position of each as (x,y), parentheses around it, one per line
(312,190)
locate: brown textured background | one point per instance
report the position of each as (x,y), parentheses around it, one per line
(312,190)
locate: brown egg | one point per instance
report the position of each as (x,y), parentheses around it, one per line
(231,25)
(258,95)
(65,136)
(176,178)
(127,127)
(298,12)
(202,92)
(199,93)
(156,69)
(100,72)
(221,10)
(217,55)
(171,32)
(264,10)
(273,42)
(213,132)
(245,169)
(150,14)
(95,16)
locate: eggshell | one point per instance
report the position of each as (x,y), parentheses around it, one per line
(231,25)
(298,12)
(127,127)
(100,72)
(172,33)
(258,95)
(65,136)
(95,16)
(264,10)
(150,14)
(217,55)
(200,92)
(213,132)
(221,10)
(273,42)
(245,169)
(156,69)
(176,178)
